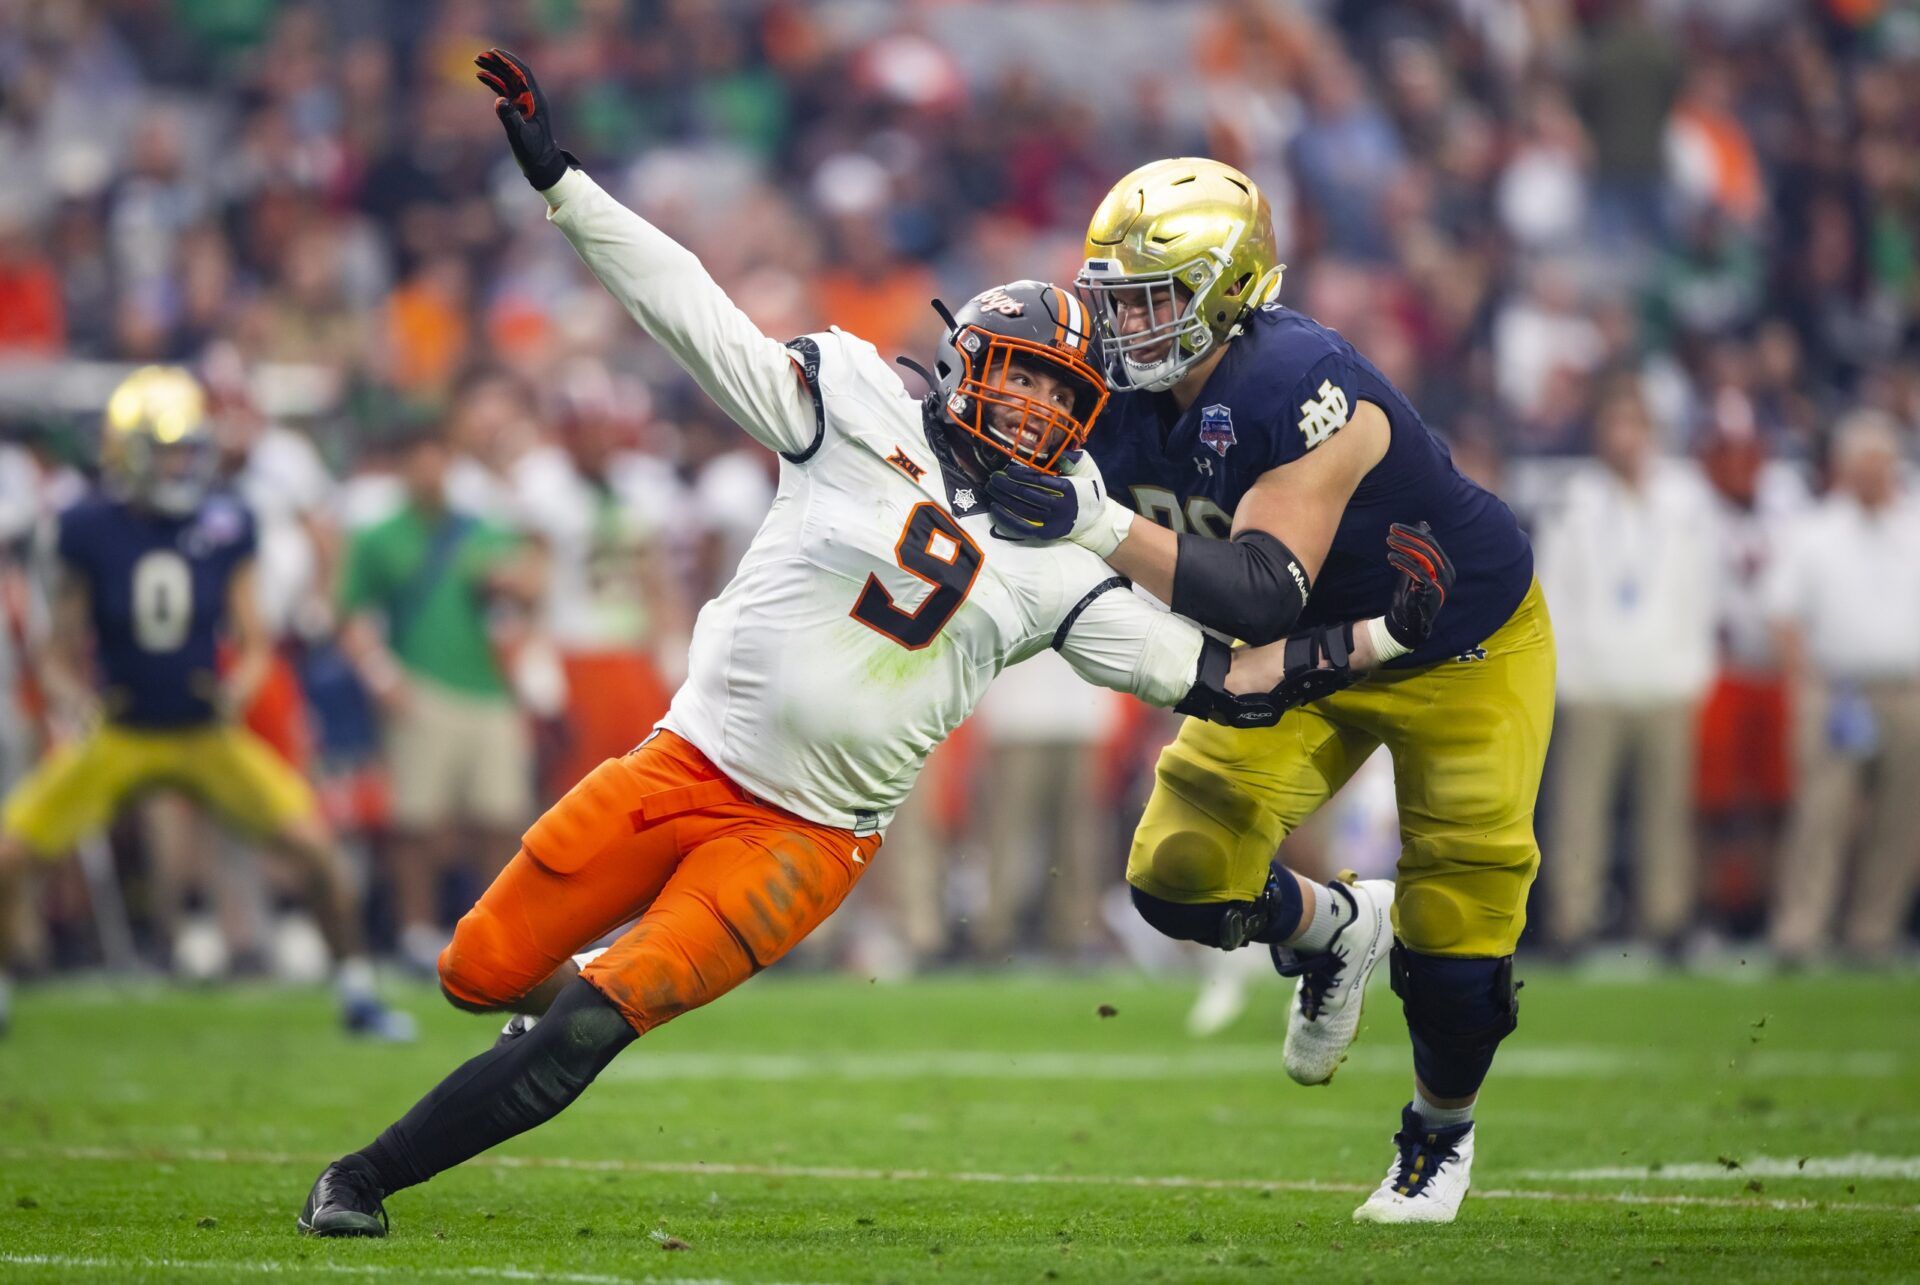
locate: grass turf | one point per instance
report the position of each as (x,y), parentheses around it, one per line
(984,1127)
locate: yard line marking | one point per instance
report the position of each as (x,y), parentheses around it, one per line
(833,1173)
(1858,1164)
(1527,1063)
(274,1267)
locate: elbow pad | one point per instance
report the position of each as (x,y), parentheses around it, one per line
(1250,586)
(1318,663)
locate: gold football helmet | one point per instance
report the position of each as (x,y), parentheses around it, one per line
(156,445)
(1178,254)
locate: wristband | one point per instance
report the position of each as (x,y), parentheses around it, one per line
(1385,646)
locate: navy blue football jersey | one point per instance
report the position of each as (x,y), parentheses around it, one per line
(1286,385)
(157,588)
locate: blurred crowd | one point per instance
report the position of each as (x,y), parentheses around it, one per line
(1652,266)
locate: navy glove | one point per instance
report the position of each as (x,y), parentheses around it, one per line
(1030,505)
(1417,599)
(1072,504)
(522,109)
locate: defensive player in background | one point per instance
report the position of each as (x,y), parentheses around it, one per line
(154,568)
(1271,460)
(864,623)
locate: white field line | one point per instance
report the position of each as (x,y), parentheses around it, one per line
(274,1267)
(1858,1164)
(832,1173)
(1516,1062)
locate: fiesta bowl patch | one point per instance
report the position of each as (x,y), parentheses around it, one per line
(1216,428)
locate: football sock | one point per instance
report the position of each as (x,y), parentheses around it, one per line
(1287,904)
(1330,911)
(1439,1117)
(505,1091)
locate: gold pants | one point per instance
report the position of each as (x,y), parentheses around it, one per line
(1468,739)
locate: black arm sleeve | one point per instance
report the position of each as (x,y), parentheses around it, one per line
(1250,586)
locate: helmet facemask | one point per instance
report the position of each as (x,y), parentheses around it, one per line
(1177,336)
(1031,430)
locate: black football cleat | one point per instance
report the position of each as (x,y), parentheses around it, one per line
(345,1201)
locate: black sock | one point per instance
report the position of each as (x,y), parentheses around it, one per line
(503,1092)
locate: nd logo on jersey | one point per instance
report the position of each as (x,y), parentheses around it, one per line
(1319,419)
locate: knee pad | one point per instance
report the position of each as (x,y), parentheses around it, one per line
(575,1040)
(1458,1011)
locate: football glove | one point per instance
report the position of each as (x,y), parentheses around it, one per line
(523,110)
(1072,504)
(1417,599)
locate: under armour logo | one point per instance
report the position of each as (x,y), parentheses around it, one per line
(1320,419)
(1471,654)
(1204,464)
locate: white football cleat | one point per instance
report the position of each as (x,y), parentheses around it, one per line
(1327,1000)
(1428,1177)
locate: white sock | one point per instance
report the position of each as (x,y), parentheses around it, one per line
(1330,910)
(353,978)
(1440,1117)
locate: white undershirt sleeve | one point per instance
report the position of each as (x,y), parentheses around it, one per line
(755,379)
(1117,639)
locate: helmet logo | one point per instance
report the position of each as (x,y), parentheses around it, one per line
(997,300)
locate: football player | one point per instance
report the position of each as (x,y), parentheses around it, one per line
(1269,460)
(155,567)
(865,620)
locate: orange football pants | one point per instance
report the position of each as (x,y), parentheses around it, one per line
(722,884)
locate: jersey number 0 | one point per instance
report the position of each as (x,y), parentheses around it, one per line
(935,549)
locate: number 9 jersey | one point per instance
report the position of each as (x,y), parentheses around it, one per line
(157,592)
(875,605)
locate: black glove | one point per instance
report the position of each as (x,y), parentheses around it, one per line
(1417,599)
(522,108)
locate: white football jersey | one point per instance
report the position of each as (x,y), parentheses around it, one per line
(874,605)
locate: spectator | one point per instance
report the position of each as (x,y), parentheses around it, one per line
(1845,598)
(1044,833)
(32,316)
(1745,777)
(1629,566)
(604,512)
(416,592)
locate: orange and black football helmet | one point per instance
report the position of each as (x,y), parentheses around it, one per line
(1025,322)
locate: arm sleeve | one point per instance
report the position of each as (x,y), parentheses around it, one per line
(1114,638)
(663,287)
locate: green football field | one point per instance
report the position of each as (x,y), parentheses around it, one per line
(982,1128)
